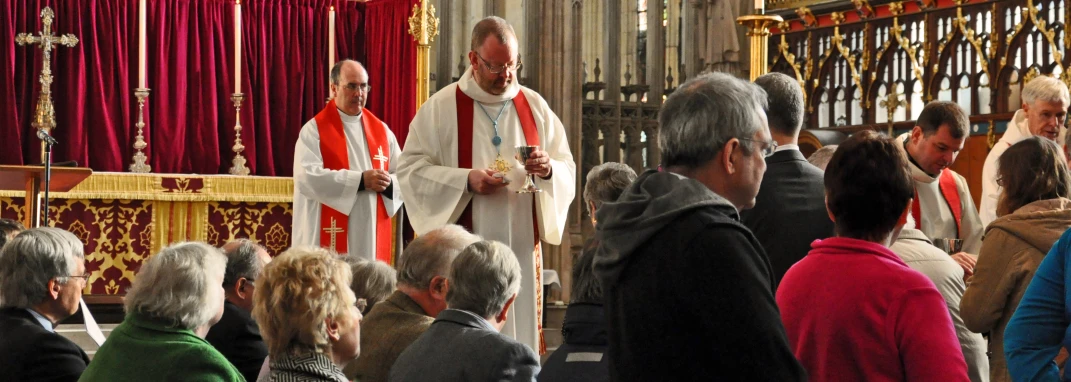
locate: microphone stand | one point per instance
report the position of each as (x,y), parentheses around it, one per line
(49,141)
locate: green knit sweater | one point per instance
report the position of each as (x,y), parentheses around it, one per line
(145,349)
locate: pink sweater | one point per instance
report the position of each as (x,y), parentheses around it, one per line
(853,311)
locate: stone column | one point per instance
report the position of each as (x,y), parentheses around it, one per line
(611,62)
(673,41)
(445,55)
(656,52)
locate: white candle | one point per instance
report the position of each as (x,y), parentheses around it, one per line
(760,6)
(238,46)
(331,37)
(141,44)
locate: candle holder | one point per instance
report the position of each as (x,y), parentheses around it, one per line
(758,29)
(140,164)
(238,163)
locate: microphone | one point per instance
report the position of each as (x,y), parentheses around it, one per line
(42,135)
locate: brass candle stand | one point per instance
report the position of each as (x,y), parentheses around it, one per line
(140,164)
(759,30)
(238,163)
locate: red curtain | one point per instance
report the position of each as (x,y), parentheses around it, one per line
(390,57)
(189,114)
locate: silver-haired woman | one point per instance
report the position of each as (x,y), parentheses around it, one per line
(176,297)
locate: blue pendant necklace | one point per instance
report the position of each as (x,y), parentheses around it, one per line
(496,140)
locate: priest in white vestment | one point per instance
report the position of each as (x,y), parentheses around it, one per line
(357,191)
(943,206)
(1045,102)
(442,186)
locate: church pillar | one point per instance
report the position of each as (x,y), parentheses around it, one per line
(673,41)
(611,57)
(656,52)
(445,55)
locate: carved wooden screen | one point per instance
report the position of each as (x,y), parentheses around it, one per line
(976,54)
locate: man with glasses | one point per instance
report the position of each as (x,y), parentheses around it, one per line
(790,210)
(42,276)
(236,335)
(344,165)
(460,165)
(942,207)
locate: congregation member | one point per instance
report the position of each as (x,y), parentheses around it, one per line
(8,229)
(942,205)
(790,210)
(42,275)
(853,310)
(674,237)
(464,343)
(392,325)
(458,166)
(236,335)
(174,300)
(308,315)
(1039,329)
(820,158)
(1033,212)
(373,281)
(344,172)
(582,355)
(919,253)
(1043,112)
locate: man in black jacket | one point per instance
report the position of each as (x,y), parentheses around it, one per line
(688,289)
(42,275)
(790,210)
(237,335)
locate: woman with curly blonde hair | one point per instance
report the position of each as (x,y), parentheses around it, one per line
(1032,212)
(308,316)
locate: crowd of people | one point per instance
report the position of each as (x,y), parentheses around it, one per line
(737,259)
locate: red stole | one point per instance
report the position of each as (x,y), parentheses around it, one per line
(336,157)
(947,183)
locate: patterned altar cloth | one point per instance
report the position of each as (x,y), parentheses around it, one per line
(124,218)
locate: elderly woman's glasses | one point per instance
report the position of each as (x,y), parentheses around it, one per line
(498,69)
(768,146)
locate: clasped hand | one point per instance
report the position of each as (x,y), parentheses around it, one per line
(376,180)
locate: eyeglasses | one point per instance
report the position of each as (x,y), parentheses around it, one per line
(498,69)
(365,87)
(769,146)
(84,277)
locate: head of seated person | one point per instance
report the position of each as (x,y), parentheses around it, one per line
(484,280)
(43,270)
(423,267)
(8,229)
(373,281)
(868,189)
(605,183)
(1031,170)
(245,261)
(820,158)
(307,312)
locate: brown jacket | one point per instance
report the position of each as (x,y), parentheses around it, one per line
(1012,249)
(386,331)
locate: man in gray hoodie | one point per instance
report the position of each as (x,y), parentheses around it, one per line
(688,288)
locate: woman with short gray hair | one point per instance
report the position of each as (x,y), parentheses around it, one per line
(175,298)
(605,183)
(373,281)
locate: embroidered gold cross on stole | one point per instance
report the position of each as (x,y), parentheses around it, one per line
(333,230)
(381,159)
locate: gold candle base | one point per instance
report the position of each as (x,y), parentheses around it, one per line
(140,164)
(759,30)
(238,163)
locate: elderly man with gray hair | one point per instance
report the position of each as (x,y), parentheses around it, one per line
(393,324)
(464,343)
(1045,102)
(688,288)
(42,275)
(237,335)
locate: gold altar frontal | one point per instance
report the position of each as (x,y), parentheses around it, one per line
(123,218)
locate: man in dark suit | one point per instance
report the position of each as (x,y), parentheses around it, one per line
(790,210)
(237,335)
(42,275)
(464,343)
(392,325)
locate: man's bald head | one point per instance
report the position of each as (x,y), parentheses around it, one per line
(492,26)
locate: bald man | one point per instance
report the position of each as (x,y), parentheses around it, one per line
(344,182)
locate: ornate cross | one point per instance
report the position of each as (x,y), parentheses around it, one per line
(45,115)
(333,230)
(381,159)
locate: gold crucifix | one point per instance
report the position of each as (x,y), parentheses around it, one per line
(45,115)
(334,230)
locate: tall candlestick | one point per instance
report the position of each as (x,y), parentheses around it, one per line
(238,46)
(331,37)
(760,7)
(141,44)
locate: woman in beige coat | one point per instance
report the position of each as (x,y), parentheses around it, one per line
(1032,213)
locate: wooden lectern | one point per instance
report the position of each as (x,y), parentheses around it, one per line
(31,178)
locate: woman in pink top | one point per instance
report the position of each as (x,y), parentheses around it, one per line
(854,311)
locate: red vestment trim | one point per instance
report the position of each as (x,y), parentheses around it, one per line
(947,185)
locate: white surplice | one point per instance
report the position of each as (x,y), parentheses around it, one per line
(313,185)
(436,190)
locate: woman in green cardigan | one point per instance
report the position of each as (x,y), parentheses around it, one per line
(176,297)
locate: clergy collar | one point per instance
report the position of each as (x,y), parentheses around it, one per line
(346,118)
(472,89)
